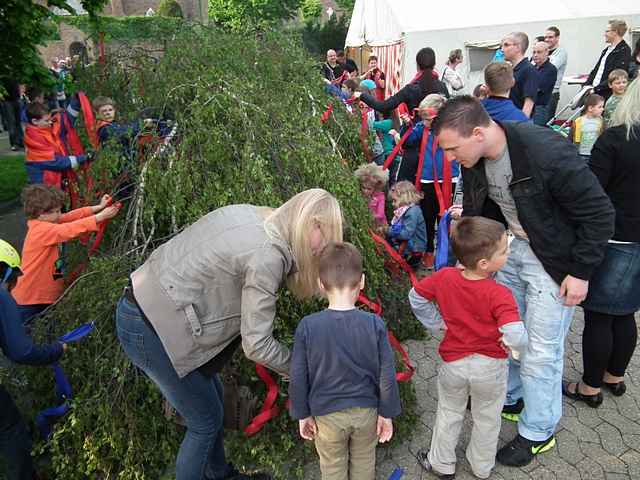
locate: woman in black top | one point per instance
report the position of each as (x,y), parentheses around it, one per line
(412,93)
(610,332)
(634,64)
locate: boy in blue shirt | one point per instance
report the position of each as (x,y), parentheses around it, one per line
(343,386)
(498,78)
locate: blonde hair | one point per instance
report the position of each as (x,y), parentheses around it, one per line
(628,110)
(372,174)
(405,193)
(293,221)
(498,77)
(618,26)
(617,74)
(433,100)
(100,102)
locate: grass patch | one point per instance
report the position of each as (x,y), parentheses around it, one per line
(13,175)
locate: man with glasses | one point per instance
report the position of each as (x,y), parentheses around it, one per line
(558,57)
(616,55)
(523,93)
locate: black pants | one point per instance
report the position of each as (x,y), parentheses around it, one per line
(15,441)
(608,343)
(12,110)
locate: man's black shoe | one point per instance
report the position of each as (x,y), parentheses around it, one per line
(520,451)
(512,412)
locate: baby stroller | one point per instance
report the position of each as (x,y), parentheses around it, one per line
(576,104)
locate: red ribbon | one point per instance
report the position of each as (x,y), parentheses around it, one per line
(327,113)
(269,408)
(396,257)
(406,375)
(89,119)
(395,344)
(423,147)
(364,130)
(443,193)
(397,148)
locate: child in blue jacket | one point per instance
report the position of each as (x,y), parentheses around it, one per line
(15,440)
(432,167)
(408,223)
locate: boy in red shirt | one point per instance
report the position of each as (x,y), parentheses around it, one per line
(41,283)
(480,318)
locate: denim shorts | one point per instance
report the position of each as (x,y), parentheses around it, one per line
(614,287)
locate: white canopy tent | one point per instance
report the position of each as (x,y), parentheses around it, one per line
(396,29)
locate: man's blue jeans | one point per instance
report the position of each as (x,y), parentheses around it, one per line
(541,115)
(196,397)
(537,377)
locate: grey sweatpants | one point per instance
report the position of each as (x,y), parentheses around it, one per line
(485,380)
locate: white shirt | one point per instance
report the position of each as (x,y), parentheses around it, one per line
(452,79)
(559,59)
(598,77)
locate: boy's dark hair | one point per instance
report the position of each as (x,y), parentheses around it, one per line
(39,198)
(462,114)
(351,84)
(33,92)
(592,100)
(498,76)
(340,53)
(372,57)
(35,111)
(340,266)
(475,238)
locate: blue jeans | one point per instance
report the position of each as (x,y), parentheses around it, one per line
(541,115)
(537,377)
(196,397)
(615,284)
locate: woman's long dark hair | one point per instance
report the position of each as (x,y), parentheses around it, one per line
(426,60)
(636,51)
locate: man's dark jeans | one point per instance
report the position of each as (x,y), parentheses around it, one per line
(15,440)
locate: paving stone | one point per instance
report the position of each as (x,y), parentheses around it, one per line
(615,476)
(611,439)
(632,459)
(588,416)
(632,441)
(608,462)
(590,470)
(621,423)
(553,462)
(542,473)
(579,429)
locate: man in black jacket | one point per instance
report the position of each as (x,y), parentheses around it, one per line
(529,178)
(616,55)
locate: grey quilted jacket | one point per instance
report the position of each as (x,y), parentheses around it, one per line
(216,280)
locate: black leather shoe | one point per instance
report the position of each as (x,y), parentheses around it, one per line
(618,389)
(594,401)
